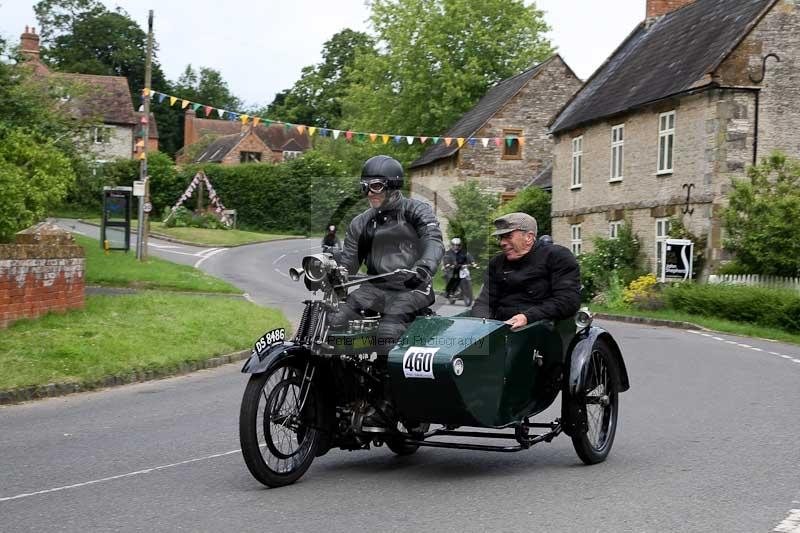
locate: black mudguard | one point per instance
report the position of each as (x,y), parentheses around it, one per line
(261,362)
(572,414)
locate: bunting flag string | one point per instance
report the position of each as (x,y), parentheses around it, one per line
(349,135)
(201,177)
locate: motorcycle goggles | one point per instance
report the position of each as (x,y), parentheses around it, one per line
(375,186)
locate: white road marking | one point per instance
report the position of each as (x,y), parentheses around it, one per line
(248,298)
(120,476)
(162,246)
(206,254)
(284,274)
(278,259)
(741,345)
(791,524)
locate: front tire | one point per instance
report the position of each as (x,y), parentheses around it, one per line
(278,424)
(599,401)
(466,290)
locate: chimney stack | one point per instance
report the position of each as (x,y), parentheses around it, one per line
(29,44)
(189,132)
(658,8)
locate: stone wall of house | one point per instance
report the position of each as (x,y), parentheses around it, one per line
(120,145)
(42,272)
(779,110)
(251,143)
(713,142)
(530,111)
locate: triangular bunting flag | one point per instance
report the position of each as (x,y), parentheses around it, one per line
(460,141)
(422,140)
(208,110)
(184,103)
(140,143)
(361,136)
(301,129)
(397,139)
(434,140)
(143,156)
(485,142)
(509,141)
(143,120)
(244,118)
(256,120)
(221,113)
(348,135)
(498,141)
(521,140)
(267,122)
(311,131)
(146,91)
(324,132)
(287,125)
(385,139)
(472,141)
(373,136)
(172,100)
(161,97)
(447,141)
(336,134)
(410,139)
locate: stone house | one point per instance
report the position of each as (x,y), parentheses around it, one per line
(229,143)
(518,107)
(696,93)
(103,102)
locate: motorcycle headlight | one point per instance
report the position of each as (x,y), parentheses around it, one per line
(317,267)
(583,319)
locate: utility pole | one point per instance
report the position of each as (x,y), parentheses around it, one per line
(145,207)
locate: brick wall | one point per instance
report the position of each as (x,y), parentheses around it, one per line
(656,8)
(251,143)
(42,272)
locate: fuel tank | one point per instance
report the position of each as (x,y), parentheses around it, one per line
(476,372)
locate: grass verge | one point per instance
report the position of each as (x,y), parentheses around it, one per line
(203,236)
(716,324)
(117,335)
(118,269)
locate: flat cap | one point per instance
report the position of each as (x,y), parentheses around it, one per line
(514,221)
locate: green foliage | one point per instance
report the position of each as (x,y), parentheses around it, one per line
(471,222)
(34,176)
(765,307)
(207,86)
(619,257)
(533,201)
(437,58)
(761,219)
(183,218)
(315,99)
(353,154)
(615,294)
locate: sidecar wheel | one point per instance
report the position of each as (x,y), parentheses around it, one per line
(277,427)
(399,446)
(600,401)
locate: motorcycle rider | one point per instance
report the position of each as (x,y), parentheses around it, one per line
(330,242)
(454,259)
(394,233)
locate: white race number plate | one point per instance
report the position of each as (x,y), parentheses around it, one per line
(418,362)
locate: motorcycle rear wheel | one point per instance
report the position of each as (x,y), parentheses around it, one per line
(277,425)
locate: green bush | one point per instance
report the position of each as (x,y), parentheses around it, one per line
(533,201)
(762,306)
(472,222)
(610,257)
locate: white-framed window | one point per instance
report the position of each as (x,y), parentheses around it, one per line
(577,161)
(576,242)
(617,151)
(662,234)
(102,134)
(666,141)
(613,229)
(290,154)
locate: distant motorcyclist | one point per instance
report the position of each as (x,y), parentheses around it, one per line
(330,242)
(394,233)
(454,259)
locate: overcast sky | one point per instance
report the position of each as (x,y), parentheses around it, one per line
(261,46)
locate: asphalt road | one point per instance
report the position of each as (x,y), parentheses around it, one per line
(707,441)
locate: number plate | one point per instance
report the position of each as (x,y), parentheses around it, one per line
(272,337)
(418,362)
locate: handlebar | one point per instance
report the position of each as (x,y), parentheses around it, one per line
(378,276)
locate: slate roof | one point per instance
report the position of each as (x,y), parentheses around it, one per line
(476,117)
(100,97)
(673,55)
(218,149)
(543,180)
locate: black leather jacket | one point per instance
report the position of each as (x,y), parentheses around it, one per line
(403,233)
(545,283)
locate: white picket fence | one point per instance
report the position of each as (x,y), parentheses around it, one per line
(754,280)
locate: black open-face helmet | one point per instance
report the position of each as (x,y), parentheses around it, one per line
(381,169)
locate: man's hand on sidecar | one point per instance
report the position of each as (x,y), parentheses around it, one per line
(517,321)
(421,278)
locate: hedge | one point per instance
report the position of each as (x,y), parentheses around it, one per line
(762,306)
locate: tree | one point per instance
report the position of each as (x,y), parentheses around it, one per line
(315,99)
(437,59)
(533,201)
(761,218)
(206,86)
(56,17)
(471,222)
(34,176)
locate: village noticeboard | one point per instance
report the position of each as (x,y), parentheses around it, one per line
(676,260)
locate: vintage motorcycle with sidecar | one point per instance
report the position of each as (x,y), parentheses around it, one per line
(449,382)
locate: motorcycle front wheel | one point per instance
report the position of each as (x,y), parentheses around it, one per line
(277,424)
(466,291)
